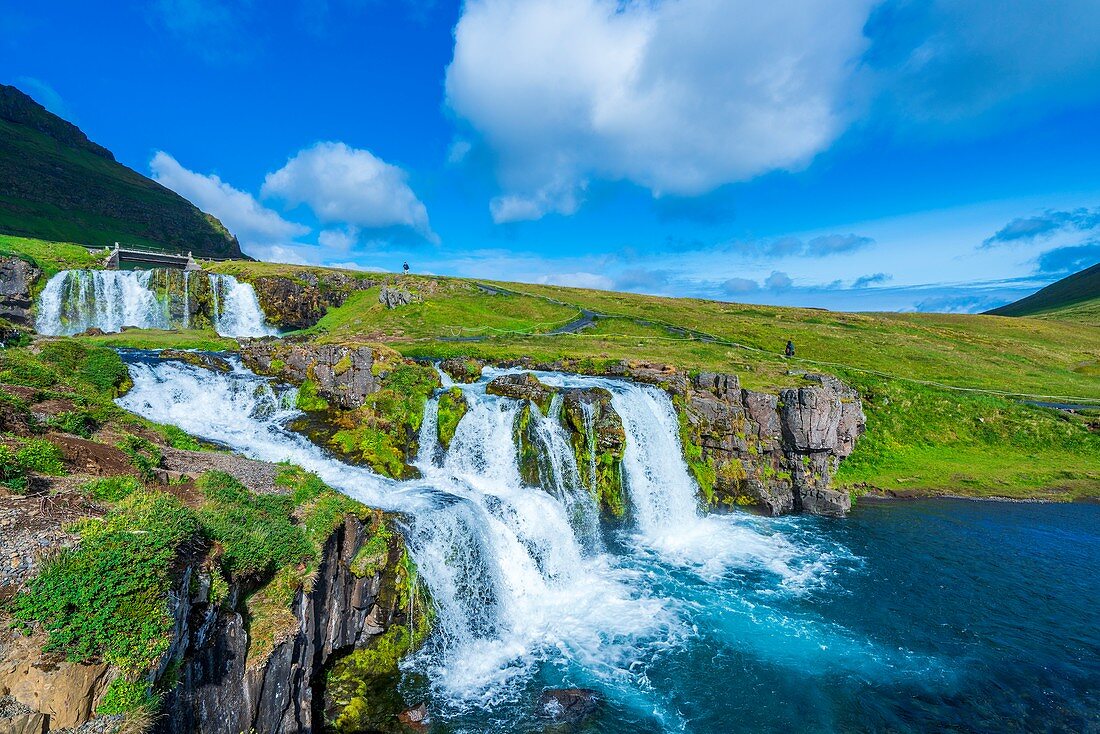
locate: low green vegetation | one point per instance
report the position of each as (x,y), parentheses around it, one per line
(452,406)
(1073,298)
(50,257)
(202,339)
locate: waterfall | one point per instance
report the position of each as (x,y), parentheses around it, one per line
(76,300)
(517,574)
(237,310)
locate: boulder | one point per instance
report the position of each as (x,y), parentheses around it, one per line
(572,705)
(522,386)
(17,279)
(65,692)
(394,297)
(343,375)
(463,369)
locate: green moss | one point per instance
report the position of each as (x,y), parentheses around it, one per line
(377,448)
(309,399)
(374,553)
(343,365)
(124,696)
(706,476)
(362,685)
(530,458)
(452,407)
(12,474)
(269,614)
(277,366)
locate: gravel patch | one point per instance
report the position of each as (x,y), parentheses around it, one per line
(259,476)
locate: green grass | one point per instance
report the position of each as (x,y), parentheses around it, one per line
(205,340)
(50,257)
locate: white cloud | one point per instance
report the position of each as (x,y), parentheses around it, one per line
(238,210)
(778,280)
(678,97)
(579,280)
(351,186)
(338,239)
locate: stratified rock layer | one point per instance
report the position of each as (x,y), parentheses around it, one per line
(17,279)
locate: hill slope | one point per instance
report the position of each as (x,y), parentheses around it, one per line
(55,184)
(1075,298)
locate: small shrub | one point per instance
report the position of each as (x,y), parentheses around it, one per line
(111,489)
(107,598)
(77,422)
(144,455)
(178,438)
(255,531)
(12,474)
(123,697)
(39,455)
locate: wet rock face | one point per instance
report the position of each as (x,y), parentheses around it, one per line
(221,690)
(463,369)
(299,301)
(777,453)
(343,375)
(522,386)
(572,705)
(17,279)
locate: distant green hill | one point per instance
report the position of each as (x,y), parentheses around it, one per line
(55,184)
(1075,298)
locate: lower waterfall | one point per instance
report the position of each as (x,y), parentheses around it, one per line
(77,300)
(530,589)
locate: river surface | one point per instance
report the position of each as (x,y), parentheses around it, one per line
(916,616)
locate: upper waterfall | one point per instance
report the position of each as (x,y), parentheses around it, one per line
(76,300)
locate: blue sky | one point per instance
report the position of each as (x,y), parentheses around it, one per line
(862,155)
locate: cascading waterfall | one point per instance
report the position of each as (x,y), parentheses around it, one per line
(76,300)
(519,577)
(237,309)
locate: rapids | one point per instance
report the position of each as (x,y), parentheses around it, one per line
(683,621)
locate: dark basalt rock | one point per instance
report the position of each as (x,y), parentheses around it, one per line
(17,279)
(463,369)
(572,705)
(222,691)
(394,297)
(300,300)
(343,374)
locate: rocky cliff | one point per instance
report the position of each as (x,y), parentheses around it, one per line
(224,687)
(300,298)
(17,281)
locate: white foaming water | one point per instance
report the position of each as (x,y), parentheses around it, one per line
(237,310)
(76,300)
(511,583)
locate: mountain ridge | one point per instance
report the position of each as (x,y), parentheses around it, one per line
(56,184)
(1074,298)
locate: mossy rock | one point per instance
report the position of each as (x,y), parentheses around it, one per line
(522,386)
(452,407)
(599,442)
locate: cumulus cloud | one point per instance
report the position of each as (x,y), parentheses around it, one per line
(1047,224)
(736,286)
(238,210)
(678,97)
(778,281)
(868,280)
(348,185)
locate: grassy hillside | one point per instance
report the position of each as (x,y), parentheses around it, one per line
(946,395)
(1075,298)
(57,185)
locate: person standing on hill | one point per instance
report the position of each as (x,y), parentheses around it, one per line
(789,351)
(405,267)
